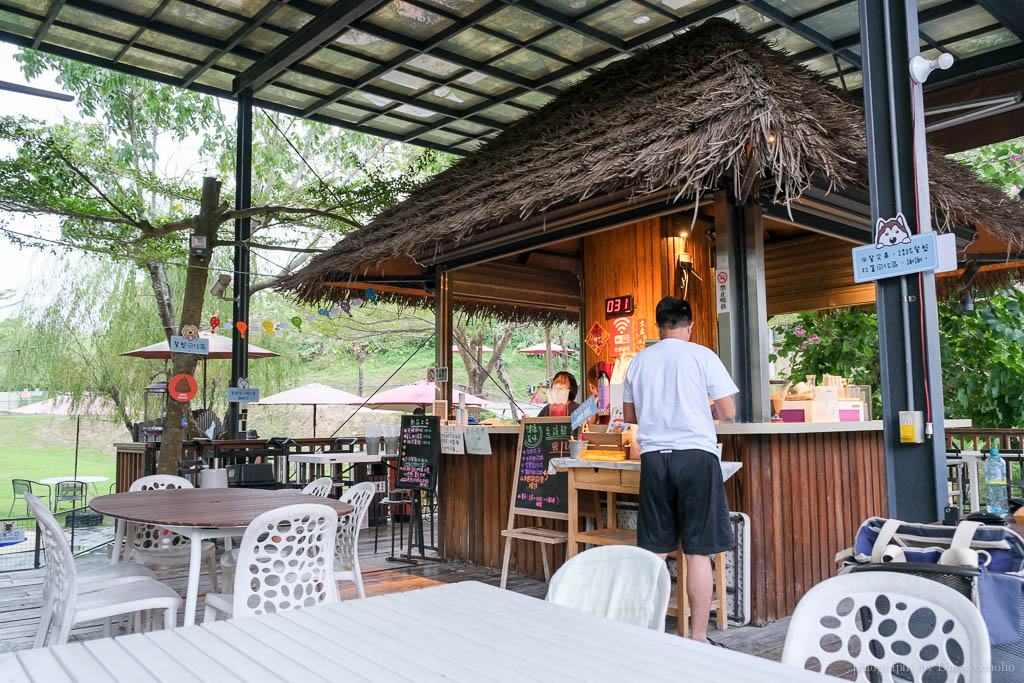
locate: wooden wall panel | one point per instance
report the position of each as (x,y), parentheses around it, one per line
(810,274)
(640,259)
(806,495)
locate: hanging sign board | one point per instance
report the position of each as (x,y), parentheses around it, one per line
(915,254)
(240,395)
(199,346)
(182,388)
(451,440)
(478,441)
(722,295)
(420,446)
(538,493)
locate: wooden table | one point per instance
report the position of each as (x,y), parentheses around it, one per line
(199,514)
(456,632)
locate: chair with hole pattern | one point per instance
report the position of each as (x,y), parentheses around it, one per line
(888,627)
(346,551)
(285,561)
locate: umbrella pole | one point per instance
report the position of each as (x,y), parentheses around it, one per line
(204,385)
(314,420)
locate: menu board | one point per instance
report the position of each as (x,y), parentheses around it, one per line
(538,492)
(417,457)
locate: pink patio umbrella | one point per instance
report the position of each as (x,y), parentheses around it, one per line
(540,350)
(421,394)
(220,349)
(61,405)
(313,395)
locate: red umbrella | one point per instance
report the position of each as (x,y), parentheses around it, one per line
(419,394)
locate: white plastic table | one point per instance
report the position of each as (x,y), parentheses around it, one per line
(91,480)
(456,632)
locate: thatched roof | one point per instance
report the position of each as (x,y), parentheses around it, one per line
(712,106)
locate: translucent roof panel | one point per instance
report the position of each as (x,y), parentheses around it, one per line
(970,47)
(958,24)
(409,20)
(407,69)
(517,23)
(836,23)
(626,19)
(570,45)
(369,45)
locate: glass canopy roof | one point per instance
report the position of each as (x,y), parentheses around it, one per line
(448,74)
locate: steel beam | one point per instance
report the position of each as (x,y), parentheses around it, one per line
(325,26)
(802,30)
(1009,13)
(906,306)
(243,231)
(234,40)
(55,9)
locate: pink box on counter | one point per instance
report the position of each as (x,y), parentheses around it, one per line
(849,415)
(793,415)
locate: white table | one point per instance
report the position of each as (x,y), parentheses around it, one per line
(457,632)
(93,480)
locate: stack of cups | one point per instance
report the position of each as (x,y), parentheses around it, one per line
(213,478)
(372,438)
(390,433)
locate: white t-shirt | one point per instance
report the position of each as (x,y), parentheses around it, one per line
(669,385)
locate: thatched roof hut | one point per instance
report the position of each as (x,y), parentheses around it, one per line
(714,107)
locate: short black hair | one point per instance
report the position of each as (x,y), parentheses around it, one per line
(672,313)
(419,411)
(573,386)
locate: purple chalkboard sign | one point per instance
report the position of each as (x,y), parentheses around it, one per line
(420,446)
(537,491)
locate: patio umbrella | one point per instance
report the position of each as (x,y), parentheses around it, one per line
(540,349)
(220,349)
(312,395)
(484,349)
(408,397)
(61,405)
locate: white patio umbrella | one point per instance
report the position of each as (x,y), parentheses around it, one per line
(540,350)
(313,394)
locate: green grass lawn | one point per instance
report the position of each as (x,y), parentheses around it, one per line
(41,446)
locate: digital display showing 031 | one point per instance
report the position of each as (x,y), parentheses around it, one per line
(618,306)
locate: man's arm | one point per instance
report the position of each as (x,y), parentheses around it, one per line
(724,409)
(629,413)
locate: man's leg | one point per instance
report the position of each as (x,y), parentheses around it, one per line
(699,586)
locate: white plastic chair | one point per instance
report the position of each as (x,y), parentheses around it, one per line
(152,545)
(67,602)
(285,561)
(321,488)
(346,551)
(888,626)
(619,582)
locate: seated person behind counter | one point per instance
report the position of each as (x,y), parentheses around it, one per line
(561,396)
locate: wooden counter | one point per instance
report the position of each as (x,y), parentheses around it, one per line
(806,487)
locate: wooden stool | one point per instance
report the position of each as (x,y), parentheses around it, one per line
(719,603)
(546,537)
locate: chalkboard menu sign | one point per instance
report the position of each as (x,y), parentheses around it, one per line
(537,492)
(417,458)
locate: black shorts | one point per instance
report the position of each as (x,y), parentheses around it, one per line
(682,498)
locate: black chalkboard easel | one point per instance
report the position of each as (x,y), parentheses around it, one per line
(536,492)
(418,452)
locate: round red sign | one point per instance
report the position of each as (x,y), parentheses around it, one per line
(182,388)
(723,276)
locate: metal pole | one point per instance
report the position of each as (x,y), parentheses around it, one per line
(243,229)
(906,306)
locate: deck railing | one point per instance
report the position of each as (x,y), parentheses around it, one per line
(967,448)
(84,529)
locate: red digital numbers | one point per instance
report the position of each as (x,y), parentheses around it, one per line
(618,306)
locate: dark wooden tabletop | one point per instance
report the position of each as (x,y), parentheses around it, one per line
(203,507)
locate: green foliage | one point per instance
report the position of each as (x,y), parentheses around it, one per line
(1001,164)
(982,354)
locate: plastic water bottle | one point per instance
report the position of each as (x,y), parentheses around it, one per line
(995,480)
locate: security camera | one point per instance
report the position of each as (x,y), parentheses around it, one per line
(220,285)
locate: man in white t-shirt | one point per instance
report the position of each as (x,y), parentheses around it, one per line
(682,495)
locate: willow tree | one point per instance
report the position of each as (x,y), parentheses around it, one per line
(102,179)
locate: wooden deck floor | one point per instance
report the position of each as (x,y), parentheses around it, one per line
(21,596)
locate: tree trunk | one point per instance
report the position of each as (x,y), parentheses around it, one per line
(503,378)
(359,389)
(191,313)
(164,297)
